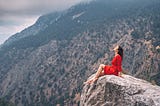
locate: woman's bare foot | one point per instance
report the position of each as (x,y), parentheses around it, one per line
(95,79)
(88,81)
(91,81)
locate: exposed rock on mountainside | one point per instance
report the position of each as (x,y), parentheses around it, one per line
(111,90)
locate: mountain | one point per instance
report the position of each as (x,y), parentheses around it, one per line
(47,63)
(116,91)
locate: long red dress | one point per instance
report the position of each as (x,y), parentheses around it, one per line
(115,67)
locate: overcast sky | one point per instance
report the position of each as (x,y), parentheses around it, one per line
(15,15)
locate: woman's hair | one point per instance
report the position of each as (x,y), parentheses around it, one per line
(120,51)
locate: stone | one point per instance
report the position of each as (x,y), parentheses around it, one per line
(110,90)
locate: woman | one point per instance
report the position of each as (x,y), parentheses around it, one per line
(114,69)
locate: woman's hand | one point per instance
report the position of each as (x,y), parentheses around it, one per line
(120,74)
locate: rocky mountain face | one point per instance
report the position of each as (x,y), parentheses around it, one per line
(47,63)
(111,90)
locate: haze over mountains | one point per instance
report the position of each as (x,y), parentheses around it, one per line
(47,63)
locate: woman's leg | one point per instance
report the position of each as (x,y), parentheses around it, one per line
(99,73)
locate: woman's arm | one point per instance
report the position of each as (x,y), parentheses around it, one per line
(119,64)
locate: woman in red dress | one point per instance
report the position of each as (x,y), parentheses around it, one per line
(114,69)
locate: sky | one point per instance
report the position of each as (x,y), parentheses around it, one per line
(16,15)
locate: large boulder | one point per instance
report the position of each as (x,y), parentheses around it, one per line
(111,90)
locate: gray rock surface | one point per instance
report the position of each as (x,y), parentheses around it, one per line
(111,90)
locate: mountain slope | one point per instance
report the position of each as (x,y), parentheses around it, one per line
(47,66)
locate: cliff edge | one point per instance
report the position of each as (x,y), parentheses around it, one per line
(111,90)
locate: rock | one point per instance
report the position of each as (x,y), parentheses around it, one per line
(111,90)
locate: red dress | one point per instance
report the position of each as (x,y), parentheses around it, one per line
(115,67)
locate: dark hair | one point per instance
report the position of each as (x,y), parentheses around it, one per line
(120,51)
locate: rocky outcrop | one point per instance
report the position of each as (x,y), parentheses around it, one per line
(116,91)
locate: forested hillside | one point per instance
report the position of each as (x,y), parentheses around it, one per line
(47,63)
